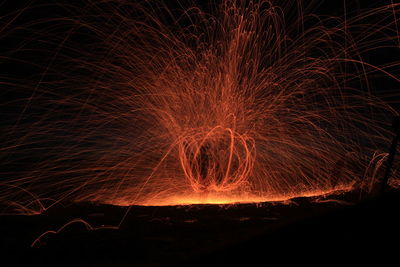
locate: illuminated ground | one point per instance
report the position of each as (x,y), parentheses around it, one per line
(206,235)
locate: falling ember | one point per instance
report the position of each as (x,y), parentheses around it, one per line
(151,105)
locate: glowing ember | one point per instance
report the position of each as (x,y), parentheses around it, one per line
(162,106)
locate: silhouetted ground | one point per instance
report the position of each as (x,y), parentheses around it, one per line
(306,230)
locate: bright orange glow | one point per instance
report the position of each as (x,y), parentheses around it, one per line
(222,198)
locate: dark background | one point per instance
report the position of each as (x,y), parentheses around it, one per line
(302,232)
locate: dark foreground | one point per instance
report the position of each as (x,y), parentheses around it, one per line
(307,230)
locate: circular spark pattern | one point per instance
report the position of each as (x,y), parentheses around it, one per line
(220,160)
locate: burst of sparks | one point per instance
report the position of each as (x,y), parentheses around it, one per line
(244,103)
